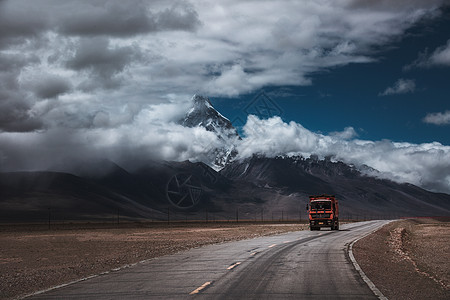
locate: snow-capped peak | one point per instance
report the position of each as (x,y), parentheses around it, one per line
(203,114)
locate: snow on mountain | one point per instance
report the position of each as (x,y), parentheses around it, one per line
(203,114)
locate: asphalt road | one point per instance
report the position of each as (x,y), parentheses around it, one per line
(298,265)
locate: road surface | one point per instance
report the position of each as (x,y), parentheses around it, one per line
(297,265)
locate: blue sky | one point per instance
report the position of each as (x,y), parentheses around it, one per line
(351,95)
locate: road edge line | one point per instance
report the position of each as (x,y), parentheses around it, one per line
(363,275)
(79,280)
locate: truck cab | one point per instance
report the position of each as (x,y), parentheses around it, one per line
(323,211)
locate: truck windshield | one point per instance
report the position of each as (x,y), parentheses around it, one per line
(321,205)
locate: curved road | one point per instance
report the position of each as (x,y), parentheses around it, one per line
(297,265)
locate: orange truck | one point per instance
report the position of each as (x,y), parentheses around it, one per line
(323,211)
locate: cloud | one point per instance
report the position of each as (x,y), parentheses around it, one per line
(204,46)
(347,134)
(426,165)
(15,116)
(402,86)
(107,18)
(231,82)
(440,57)
(151,134)
(104,62)
(438,118)
(15,104)
(114,18)
(19,22)
(106,54)
(48,86)
(180,16)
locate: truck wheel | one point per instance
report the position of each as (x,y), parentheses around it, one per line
(332,227)
(337,227)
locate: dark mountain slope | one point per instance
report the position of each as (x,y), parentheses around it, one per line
(360,195)
(28,196)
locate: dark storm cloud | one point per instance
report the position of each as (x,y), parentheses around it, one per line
(15,106)
(104,62)
(390,5)
(51,87)
(94,53)
(15,118)
(14,62)
(178,17)
(19,22)
(15,115)
(108,19)
(125,19)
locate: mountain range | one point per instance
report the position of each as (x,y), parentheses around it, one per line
(223,187)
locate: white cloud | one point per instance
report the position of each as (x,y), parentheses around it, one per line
(347,134)
(150,134)
(440,57)
(438,118)
(426,165)
(231,82)
(401,86)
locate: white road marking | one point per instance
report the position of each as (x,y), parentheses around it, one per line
(366,279)
(197,290)
(234,265)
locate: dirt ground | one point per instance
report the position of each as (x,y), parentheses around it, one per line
(35,258)
(408,259)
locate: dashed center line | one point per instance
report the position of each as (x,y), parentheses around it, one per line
(273,245)
(285,242)
(197,290)
(234,265)
(253,253)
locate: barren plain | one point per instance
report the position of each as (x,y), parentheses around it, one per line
(408,259)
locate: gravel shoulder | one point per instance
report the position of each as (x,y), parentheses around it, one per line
(408,259)
(33,258)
